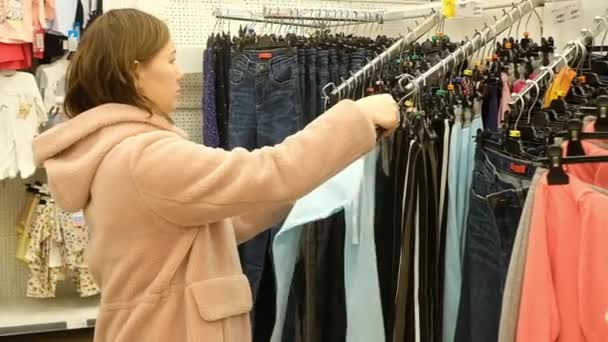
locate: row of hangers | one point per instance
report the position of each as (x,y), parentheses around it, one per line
(563,119)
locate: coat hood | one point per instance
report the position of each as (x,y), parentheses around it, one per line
(72,151)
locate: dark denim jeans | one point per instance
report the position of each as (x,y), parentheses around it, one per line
(303,79)
(311,86)
(322,79)
(498,193)
(334,67)
(265,108)
(344,64)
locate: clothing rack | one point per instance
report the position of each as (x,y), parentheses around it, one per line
(480,39)
(435,17)
(573,50)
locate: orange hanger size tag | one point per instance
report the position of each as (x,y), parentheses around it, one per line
(450,86)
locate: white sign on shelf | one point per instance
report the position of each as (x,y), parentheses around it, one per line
(76,324)
(567,11)
(469,9)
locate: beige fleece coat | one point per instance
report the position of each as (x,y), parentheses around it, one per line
(166,214)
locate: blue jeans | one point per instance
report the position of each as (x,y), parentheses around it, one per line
(265,108)
(334,67)
(496,203)
(303,78)
(344,64)
(322,78)
(311,86)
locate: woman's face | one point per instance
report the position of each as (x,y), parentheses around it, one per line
(158,79)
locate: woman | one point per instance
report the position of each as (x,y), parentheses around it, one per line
(167,214)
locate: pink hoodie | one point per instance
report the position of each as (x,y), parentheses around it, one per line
(565,288)
(166,214)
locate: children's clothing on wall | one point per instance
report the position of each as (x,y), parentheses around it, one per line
(21,114)
(52,243)
(39,28)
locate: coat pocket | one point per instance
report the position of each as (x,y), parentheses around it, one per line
(221,298)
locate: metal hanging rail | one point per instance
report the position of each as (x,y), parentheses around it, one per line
(324,15)
(246,16)
(480,39)
(572,51)
(431,21)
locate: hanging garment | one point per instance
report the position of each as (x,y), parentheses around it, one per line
(505,97)
(513,283)
(15,56)
(560,86)
(211,135)
(51,81)
(564,295)
(43,279)
(16,24)
(364,311)
(453,264)
(222,48)
(24,224)
(21,114)
(266,82)
(74,239)
(65,15)
(496,202)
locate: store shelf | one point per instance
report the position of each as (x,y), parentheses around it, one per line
(27,316)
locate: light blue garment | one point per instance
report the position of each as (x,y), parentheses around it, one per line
(453,265)
(364,321)
(476,124)
(351,190)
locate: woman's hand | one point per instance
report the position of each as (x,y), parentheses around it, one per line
(384,112)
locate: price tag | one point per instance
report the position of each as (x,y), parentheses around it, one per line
(468,72)
(76,324)
(469,9)
(38,41)
(78,219)
(449,8)
(450,86)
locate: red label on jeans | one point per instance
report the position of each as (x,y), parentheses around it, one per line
(265,55)
(518,168)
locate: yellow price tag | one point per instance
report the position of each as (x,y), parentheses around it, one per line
(449,8)
(515,134)
(468,72)
(409,103)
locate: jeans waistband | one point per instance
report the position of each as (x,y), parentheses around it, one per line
(495,173)
(264,56)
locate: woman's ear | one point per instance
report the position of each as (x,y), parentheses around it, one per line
(137,69)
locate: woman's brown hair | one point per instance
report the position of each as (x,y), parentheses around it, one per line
(102,69)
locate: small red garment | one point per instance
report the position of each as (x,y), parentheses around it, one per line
(15,56)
